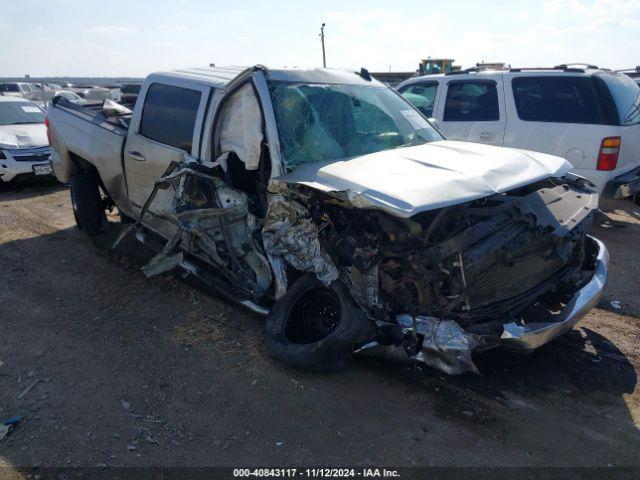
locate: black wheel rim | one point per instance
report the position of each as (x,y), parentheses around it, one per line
(314,315)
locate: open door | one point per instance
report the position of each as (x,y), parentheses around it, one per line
(240,146)
(215,204)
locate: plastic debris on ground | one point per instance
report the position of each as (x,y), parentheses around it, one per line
(9,425)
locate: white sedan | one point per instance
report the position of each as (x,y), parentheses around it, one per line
(24,147)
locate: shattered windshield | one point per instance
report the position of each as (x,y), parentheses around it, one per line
(329,122)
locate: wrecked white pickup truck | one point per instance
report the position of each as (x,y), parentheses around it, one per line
(324,200)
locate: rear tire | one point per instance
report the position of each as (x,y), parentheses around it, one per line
(88,205)
(314,327)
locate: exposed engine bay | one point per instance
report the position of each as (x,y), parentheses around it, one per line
(478,265)
(471,263)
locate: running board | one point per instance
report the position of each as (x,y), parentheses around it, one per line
(206,282)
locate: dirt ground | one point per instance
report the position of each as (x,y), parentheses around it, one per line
(109,368)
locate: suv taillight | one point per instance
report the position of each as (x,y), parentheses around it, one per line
(46,124)
(608,156)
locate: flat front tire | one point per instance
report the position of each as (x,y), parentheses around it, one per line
(314,327)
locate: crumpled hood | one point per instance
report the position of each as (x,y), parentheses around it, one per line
(23,136)
(406,181)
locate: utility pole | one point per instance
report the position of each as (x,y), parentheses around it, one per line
(324,57)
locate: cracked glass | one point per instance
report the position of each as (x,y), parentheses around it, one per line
(321,122)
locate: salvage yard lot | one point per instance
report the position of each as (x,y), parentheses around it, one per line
(136,372)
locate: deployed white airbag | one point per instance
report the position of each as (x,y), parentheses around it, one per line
(241,128)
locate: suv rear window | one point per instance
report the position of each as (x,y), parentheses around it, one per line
(626,94)
(169,115)
(564,99)
(471,101)
(422,96)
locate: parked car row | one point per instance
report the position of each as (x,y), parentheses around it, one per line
(589,116)
(24,148)
(324,200)
(45,92)
(96,94)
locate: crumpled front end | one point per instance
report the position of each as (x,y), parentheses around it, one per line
(444,345)
(514,269)
(290,236)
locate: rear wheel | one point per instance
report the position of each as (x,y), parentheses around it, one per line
(88,203)
(315,327)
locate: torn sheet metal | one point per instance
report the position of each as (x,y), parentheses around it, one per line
(167,259)
(445,346)
(279,275)
(241,130)
(215,219)
(288,233)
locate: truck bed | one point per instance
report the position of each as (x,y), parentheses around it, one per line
(92,112)
(81,135)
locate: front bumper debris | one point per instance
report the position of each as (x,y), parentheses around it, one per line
(445,345)
(527,338)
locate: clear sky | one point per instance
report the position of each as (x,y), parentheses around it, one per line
(135,37)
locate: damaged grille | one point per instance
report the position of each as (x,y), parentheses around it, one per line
(484,260)
(497,277)
(30,155)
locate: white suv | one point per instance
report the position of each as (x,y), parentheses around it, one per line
(589,116)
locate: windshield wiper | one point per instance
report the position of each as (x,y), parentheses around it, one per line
(23,123)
